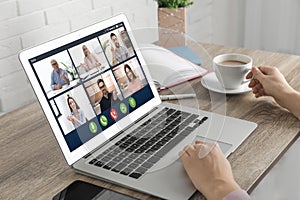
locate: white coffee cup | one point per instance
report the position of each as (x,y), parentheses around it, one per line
(231,69)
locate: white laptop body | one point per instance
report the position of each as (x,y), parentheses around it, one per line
(85,135)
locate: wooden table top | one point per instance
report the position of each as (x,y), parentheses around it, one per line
(33,167)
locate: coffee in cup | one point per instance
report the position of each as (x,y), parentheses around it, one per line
(231,69)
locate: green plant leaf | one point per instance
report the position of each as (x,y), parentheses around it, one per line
(70,70)
(174,3)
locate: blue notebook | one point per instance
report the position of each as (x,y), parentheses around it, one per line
(187,53)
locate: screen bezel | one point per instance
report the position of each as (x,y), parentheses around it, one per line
(73,156)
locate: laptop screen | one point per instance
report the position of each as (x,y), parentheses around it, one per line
(92,83)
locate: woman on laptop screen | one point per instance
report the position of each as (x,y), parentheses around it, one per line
(77,116)
(134,82)
(90,60)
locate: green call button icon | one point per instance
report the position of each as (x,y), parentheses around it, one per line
(123,108)
(93,127)
(103,120)
(132,102)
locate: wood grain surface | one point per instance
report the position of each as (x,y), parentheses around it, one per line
(33,167)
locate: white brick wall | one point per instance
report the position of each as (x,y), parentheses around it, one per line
(8,9)
(65,11)
(29,6)
(43,34)
(22,24)
(9,47)
(25,23)
(89,18)
(10,65)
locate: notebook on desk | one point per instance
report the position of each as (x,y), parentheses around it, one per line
(134,139)
(168,69)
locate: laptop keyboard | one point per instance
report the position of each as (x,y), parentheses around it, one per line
(138,151)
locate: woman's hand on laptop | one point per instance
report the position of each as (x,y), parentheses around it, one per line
(208,169)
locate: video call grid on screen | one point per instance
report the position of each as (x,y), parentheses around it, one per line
(103,62)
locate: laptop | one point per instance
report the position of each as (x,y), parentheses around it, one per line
(113,125)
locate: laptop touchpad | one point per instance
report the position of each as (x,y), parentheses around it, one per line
(172,156)
(225,147)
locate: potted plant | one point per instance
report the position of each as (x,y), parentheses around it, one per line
(174,3)
(70,70)
(171,14)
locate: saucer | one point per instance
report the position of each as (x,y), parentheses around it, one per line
(211,82)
